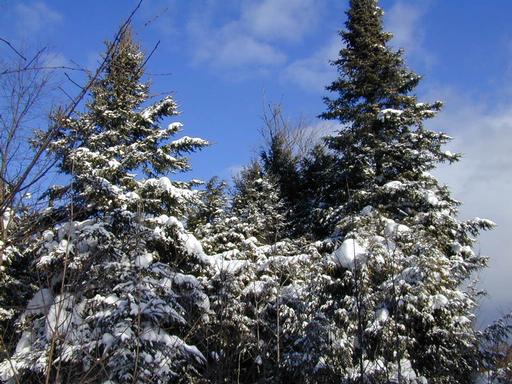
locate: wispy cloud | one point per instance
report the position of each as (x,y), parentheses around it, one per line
(280,20)
(404,20)
(55,59)
(35,17)
(227,48)
(253,39)
(232,171)
(313,73)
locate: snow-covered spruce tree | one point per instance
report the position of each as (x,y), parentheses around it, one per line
(394,303)
(255,215)
(258,203)
(258,293)
(256,289)
(212,207)
(118,298)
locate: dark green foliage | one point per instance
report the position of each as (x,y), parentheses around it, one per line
(372,77)
(281,165)
(318,194)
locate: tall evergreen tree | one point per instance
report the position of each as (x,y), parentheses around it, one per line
(393,292)
(118,296)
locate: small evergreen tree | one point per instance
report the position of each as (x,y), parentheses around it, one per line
(279,156)
(213,205)
(258,204)
(496,351)
(259,295)
(255,289)
(393,295)
(256,215)
(119,295)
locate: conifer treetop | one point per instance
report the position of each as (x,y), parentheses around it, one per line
(372,76)
(119,137)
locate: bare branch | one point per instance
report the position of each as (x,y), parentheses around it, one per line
(36,57)
(72,81)
(160,74)
(154,18)
(39,68)
(65,93)
(14,49)
(149,56)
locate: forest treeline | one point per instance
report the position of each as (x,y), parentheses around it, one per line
(341,261)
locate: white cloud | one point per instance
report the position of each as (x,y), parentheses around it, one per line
(404,20)
(253,52)
(482,181)
(55,59)
(313,73)
(280,20)
(35,17)
(227,48)
(251,40)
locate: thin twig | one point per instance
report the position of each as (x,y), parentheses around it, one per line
(156,17)
(160,74)
(36,56)
(64,92)
(149,56)
(14,49)
(47,67)
(73,81)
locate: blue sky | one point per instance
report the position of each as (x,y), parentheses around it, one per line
(228,59)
